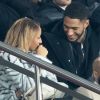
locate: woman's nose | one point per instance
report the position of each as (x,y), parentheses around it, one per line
(40,40)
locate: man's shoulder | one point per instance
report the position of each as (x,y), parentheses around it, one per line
(55,42)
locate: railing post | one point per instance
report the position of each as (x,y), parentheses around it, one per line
(38,84)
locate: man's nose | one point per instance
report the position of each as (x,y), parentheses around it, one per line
(70,32)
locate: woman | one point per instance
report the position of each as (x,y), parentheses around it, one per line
(25,34)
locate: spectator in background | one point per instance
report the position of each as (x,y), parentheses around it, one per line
(69,42)
(7,17)
(95,24)
(51,11)
(25,35)
(22,7)
(91,4)
(96,80)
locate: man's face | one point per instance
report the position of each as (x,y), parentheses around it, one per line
(74,28)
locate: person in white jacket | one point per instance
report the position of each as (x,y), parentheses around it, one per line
(25,34)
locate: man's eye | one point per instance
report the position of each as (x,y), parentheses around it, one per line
(74,28)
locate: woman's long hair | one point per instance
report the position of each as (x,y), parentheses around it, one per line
(21,33)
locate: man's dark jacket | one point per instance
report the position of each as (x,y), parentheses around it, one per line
(68,55)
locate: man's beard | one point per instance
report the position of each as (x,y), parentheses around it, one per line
(81,36)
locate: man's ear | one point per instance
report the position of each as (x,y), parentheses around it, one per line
(86,23)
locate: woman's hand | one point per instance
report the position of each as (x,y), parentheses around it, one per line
(41,50)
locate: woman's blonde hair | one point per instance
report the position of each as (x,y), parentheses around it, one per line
(21,33)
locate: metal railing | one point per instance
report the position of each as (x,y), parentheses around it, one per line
(49,67)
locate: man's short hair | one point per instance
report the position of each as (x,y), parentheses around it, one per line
(77,10)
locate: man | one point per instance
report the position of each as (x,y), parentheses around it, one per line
(69,43)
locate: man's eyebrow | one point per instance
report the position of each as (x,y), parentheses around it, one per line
(70,27)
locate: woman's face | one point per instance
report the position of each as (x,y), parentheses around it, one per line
(36,41)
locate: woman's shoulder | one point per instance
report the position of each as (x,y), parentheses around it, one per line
(11,58)
(8,56)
